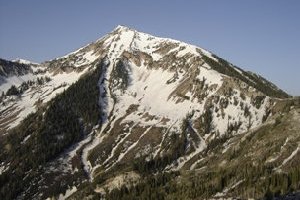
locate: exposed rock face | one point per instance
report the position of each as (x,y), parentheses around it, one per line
(160,100)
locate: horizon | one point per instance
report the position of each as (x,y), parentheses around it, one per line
(261,37)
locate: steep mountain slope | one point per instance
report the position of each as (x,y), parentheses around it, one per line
(25,86)
(137,105)
(13,73)
(261,163)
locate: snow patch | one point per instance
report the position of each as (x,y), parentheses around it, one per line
(23,61)
(14,80)
(3,167)
(25,139)
(291,156)
(68,193)
(211,76)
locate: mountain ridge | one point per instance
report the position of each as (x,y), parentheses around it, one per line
(131,105)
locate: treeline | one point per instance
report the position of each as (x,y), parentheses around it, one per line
(241,180)
(120,75)
(252,80)
(16,91)
(259,182)
(10,68)
(153,187)
(52,129)
(174,149)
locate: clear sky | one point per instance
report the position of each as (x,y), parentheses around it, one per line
(257,35)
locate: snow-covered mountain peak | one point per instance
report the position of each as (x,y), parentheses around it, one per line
(23,61)
(128,97)
(122,28)
(124,40)
(166,79)
(179,74)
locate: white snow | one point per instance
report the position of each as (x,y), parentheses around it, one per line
(148,88)
(291,156)
(285,143)
(158,150)
(226,190)
(85,152)
(211,76)
(274,158)
(3,167)
(63,164)
(147,43)
(14,80)
(27,103)
(155,98)
(208,54)
(23,61)
(183,160)
(25,139)
(193,166)
(85,58)
(121,156)
(90,56)
(237,114)
(118,144)
(26,106)
(239,71)
(68,193)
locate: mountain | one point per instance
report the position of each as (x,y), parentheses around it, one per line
(134,116)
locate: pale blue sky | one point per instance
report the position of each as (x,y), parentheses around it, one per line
(258,35)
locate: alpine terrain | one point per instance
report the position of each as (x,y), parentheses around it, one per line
(133,116)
